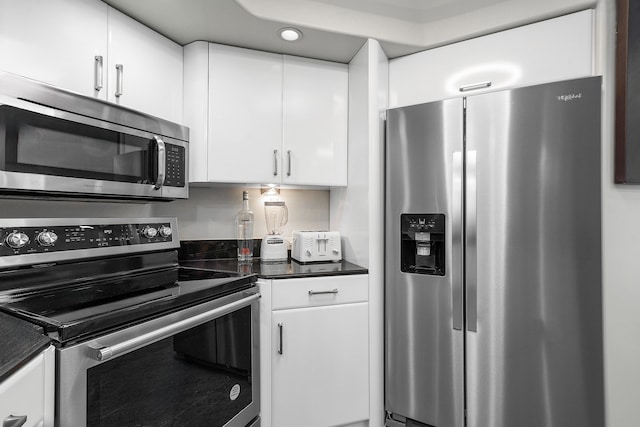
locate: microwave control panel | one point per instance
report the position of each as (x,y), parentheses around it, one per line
(175,169)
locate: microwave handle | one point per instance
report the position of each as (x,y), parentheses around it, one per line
(162,163)
(101,353)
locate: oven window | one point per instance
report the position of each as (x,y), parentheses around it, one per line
(36,143)
(200,377)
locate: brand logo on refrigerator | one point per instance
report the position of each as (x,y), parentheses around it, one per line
(569,97)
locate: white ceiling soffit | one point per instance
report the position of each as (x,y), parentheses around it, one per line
(406,26)
(226,22)
(335,30)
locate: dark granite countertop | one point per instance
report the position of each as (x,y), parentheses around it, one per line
(21,342)
(220,255)
(284,270)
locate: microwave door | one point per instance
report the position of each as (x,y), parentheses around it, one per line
(41,152)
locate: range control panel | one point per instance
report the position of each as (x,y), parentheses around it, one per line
(29,238)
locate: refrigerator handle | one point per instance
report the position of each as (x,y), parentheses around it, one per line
(456,243)
(471,259)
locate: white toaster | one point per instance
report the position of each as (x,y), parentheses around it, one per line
(316,246)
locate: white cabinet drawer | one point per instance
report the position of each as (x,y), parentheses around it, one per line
(319,291)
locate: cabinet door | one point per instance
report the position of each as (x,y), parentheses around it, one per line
(54,41)
(315,107)
(320,366)
(245,115)
(551,50)
(151,76)
(29,392)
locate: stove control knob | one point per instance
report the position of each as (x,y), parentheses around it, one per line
(17,240)
(47,238)
(149,232)
(165,231)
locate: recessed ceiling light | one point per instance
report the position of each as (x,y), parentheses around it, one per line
(290,34)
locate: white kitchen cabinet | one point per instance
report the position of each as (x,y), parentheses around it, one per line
(315,106)
(261,118)
(59,41)
(551,50)
(315,351)
(245,115)
(29,392)
(150,77)
(54,41)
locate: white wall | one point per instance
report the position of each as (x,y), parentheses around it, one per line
(621,232)
(358,210)
(209,213)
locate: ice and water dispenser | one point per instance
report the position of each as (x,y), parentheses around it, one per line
(422,243)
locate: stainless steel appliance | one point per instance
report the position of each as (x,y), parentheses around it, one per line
(493,260)
(316,246)
(139,339)
(59,143)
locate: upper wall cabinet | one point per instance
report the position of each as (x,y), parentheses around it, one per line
(315,106)
(261,118)
(234,111)
(55,41)
(76,45)
(144,69)
(552,50)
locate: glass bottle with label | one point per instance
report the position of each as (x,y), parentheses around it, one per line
(244,227)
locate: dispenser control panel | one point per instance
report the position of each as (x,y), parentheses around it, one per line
(422,244)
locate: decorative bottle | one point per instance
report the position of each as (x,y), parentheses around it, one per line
(244,227)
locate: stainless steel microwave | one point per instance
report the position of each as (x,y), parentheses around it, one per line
(59,143)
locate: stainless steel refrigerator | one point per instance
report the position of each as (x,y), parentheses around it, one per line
(493,308)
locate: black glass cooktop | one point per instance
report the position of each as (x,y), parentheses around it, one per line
(79,301)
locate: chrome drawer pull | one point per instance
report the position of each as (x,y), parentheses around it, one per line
(275,162)
(333,291)
(14,421)
(97,72)
(475,86)
(119,77)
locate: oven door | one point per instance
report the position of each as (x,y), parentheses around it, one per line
(198,366)
(46,150)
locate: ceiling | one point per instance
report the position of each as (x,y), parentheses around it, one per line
(336,29)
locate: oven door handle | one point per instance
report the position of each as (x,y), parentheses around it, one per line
(102,353)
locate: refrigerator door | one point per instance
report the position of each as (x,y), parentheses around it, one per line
(533,257)
(423,352)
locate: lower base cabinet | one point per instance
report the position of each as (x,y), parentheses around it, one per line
(27,396)
(316,351)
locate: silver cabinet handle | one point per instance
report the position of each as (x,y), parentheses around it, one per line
(275,162)
(14,421)
(101,353)
(288,162)
(475,86)
(162,163)
(333,291)
(456,242)
(472,243)
(97,72)
(280,348)
(119,77)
